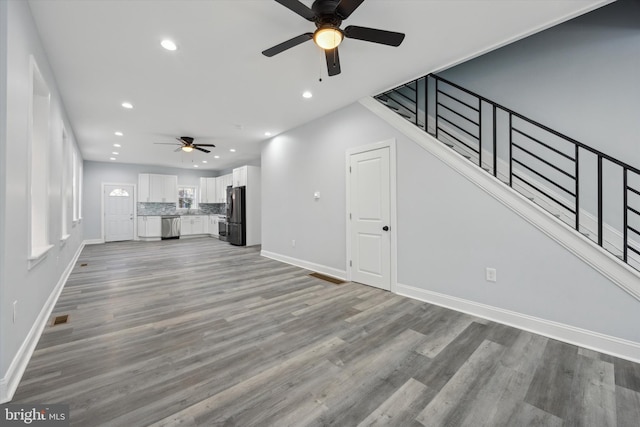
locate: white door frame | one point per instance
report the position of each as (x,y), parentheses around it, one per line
(391,144)
(135,210)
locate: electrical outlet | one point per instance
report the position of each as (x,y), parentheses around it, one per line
(15,311)
(293,243)
(491,275)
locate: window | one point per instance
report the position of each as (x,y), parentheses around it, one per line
(39,239)
(66,185)
(74,186)
(187,197)
(119,192)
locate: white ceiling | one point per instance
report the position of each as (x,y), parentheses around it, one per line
(219,88)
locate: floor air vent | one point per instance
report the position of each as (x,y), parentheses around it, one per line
(327,278)
(60,320)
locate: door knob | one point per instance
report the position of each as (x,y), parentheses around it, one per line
(385,228)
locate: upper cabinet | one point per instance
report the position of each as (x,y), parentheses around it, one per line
(240,176)
(222,182)
(208,190)
(154,188)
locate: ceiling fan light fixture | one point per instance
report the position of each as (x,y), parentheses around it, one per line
(328,37)
(187,149)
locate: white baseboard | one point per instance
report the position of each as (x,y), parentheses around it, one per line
(9,383)
(329,271)
(93,242)
(613,346)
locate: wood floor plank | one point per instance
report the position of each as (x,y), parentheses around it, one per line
(198,332)
(454,401)
(551,386)
(393,411)
(627,407)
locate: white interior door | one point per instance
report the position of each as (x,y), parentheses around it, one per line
(118,213)
(370,213)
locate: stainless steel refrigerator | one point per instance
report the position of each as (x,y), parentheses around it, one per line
(236,217)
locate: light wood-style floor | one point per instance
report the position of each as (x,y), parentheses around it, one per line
(198,332)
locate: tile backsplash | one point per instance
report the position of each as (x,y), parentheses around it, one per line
(170,209)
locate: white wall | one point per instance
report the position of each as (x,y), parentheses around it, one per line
(448,229)
(34,289)
(97,173)
(3,180)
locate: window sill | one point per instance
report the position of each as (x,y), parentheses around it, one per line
(63,239)
(38,254)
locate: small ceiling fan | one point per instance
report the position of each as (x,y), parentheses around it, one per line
(328,16)
(187,145)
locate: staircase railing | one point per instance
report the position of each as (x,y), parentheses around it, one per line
(590,191)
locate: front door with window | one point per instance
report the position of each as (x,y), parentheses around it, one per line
(118,212)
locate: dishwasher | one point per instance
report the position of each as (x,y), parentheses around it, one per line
(170,227)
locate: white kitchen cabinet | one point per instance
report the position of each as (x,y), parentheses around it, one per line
(185,226)
(213,225)
(149,226)
(155,188)
(143,187)
(170,188)
(191,225)
(208,190)
(222,182)
(240,176)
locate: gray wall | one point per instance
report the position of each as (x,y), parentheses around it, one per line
(30,287)
(580,78)
(97,173)
(448,229)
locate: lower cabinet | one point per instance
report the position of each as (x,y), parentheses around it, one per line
(149,226)
(191,225)
(213,225)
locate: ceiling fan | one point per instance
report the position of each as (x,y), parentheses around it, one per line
(328,16)
(187,145)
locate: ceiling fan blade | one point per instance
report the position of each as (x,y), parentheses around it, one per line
(333,61)
(177,149)
(389,38)
(287,45)
(203,145)
(299,8)
(201,149)
(346,8)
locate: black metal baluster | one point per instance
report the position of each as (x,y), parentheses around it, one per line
(625,232)
(577,189)
(436,106)
(510,150)
(495,143)
(600,222)
(480,133)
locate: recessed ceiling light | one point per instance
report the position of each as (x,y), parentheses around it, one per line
(216,157)
(307,95)
(195,166)
(267,134)
(118,133)
(127,105)
(204,161)
(168,44)
(117,145)
(233,150)
(115,153)
(112,158)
